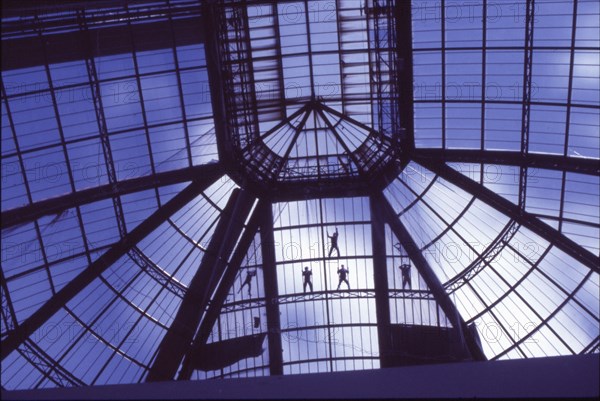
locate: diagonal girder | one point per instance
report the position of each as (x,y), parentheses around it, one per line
(59,300)
(226,282)
(531,160)
(426,272)
(177,341)
(271,291)
(513,211)
(208,173)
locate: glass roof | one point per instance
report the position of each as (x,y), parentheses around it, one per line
(312,88)
(170,168)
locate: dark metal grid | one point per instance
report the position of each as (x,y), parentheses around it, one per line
(95,269)
(526,159)
(242,104)
(518,214)
(216,304)
(530,160)
(501,242)
(442,297)
(175,343)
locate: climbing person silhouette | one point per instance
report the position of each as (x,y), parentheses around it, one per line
(248,281)
(342,273)
(334,242)
(307,278)
(405,269)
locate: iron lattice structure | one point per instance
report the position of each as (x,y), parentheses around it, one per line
(170,168)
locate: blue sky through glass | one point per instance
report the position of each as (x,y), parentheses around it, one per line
(527,298)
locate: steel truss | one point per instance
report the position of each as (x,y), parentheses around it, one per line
(242,109)
(432,281)
(516,213)
(57,205)
(217,303)
(507,158)
(176,342)
(59,300)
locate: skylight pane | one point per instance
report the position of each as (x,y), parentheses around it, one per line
(463,24)
(46,172)
(550,75)
(506,23)
(87,163)
(547,129)
(553,23)
(463,125)
(155,60)
(70,73)
(504,70)
(544,192)
(427,71)
(130,154)
(34,121)
(588,14)
(586,77)
(584,140)
(427,18)
(502,127)
(168,147)
(428,125)
(14,192)
(121,103)
(77,113)
(161,98)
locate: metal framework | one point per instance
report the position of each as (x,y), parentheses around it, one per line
(381,281)
(178,339)
(282,140)
(249,107)
(503,158)
(515,212)
(65,42)
(271,292)
(215,305)
(442,297)
(24,330)
(34,211)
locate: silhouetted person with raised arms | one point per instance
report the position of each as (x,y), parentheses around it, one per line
(334,242)
(248,281)
(307,278)
(405,269)
(343,273)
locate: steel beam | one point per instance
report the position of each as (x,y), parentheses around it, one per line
(382,302)
(73,46)
(216,82)
(207,174)
(23,8)
(469,342)
(405,73)
(271,291)
(531,160)
(46,311)
(216,303)
(513,211)
(177,341)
